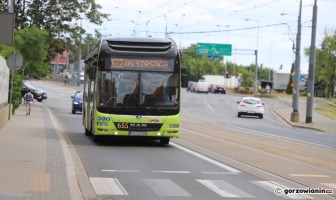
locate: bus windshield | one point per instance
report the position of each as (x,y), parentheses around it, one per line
(138,92)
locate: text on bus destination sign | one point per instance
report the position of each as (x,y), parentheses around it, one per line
(126,63)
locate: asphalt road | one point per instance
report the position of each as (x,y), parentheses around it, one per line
(217,156)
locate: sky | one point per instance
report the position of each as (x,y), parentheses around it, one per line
(269,26)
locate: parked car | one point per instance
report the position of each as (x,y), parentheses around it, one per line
(77,101)
(218,89)
(251,106)
(44,93)
(190,85)
(38,94)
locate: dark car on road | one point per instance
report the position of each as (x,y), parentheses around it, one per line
(38,94)
(77,101)
(218,89)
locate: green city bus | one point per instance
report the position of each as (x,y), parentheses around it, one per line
(132,88)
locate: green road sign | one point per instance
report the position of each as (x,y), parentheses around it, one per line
(214,49)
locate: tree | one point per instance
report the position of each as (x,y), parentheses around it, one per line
(57,17)
(198,65)
(326,64)
(32,44)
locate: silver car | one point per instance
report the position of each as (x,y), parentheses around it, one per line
(251,106)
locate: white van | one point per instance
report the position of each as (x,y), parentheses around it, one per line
(202,86)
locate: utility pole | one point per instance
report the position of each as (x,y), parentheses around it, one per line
(10,6)
(295,114)
(312,65)
(255,88)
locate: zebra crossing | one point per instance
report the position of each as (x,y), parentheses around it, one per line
(168,188)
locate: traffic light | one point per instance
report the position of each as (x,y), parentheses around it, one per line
(227,74)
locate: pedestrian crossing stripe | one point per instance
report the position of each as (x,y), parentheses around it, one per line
(278,189)
(107,186)
(168,188)
(224,189)
(331,185)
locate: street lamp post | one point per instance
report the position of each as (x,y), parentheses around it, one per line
(312,65)
(295,114)
(296,91)
(256,60)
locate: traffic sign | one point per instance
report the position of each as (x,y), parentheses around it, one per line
(212,57)
(302,78)
(14,61)
(214,49)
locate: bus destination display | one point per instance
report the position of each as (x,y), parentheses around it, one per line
(142,64)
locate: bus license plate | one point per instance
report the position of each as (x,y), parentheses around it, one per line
(137,133)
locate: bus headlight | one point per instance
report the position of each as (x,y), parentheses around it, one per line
(102,123)
(173,125)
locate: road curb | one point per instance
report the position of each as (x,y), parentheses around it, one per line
(294,125)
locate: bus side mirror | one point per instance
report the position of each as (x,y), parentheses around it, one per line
(91,71)
(185,79)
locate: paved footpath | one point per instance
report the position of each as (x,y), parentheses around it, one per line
(35,162)
(319,122)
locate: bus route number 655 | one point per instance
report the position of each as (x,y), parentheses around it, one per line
(122,125)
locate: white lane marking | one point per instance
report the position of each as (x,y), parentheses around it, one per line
(172,172)
(107,186)
(309,175)
(165,187)
(224,189)
(206,103)
(276,187)
(211,107)
(221,165)
(111,170)
(219,173)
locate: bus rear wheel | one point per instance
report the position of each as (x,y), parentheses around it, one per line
(87,132)
(164,141)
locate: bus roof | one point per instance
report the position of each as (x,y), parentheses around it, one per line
(131,46)
(138,39)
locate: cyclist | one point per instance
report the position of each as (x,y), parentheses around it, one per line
(28,98)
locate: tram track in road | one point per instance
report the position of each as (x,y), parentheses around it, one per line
(260,153)
(257,150)
(246,167)
(263,139)
(213,127)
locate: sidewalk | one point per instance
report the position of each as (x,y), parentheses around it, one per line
(319,122)
(35,160)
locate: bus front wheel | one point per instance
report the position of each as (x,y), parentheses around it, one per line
(95,138)
(164,141)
